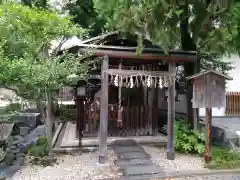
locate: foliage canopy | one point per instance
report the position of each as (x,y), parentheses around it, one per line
(27,60)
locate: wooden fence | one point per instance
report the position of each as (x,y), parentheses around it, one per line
(232,104)
(136,121)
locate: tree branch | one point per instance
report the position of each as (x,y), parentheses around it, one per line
(58,48)
(10,88)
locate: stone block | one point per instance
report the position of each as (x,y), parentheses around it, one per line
(133,162)
(127,142)
(31,138)
(134,155)
(120,150)
(142,170)
(24,131)
(29,119)
(11,170)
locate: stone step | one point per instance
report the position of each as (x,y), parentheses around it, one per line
(142,170)
(120,150)
(132,162)
(133,155)
(126,142)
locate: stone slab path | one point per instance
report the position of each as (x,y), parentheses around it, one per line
(133,160)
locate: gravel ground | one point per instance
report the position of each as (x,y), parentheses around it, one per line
(181,162)
(225,177)
(71,167)
(184,163)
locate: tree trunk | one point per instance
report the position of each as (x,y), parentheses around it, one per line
(41,109)
(38,104)
(49,122)
(187,44)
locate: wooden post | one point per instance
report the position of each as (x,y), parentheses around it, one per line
(77,118)
(81,120)
(80,117)
(103,114)
(171,113)
(196,118)
(208,123)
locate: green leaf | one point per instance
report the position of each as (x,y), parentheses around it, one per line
(200,148)
(178,12)
(187,147)
(192,139)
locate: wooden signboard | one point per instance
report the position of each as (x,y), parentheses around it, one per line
(209,92)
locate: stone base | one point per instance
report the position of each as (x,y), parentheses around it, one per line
(102,160)
(170,155)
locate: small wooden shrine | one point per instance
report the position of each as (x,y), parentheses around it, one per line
(209,92)
(122,70)
(209,89)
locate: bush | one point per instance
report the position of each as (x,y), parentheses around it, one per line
(13,107)
(67,113)
(40,149)
(187,140)
(224,158)
(39,153)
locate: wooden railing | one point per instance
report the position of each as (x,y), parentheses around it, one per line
(232,104)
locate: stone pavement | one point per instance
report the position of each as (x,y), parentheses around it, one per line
(133,160)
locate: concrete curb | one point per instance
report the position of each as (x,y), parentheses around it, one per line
(55,137)
(173,175)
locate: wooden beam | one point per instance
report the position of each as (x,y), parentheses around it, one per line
(134,49)
(144,56)
(171,113)
(137,72)
(103,113)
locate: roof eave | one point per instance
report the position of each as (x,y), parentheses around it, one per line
(206,72)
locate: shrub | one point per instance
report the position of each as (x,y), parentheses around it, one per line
(187,140)
(13,107)
(67,113)
(39,153)
(224,158)
(40,149)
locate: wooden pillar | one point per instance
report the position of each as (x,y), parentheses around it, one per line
(77,117)
(171,113)
(103,113)
(79,102)
(196,119)
(155,112)
(208,123)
